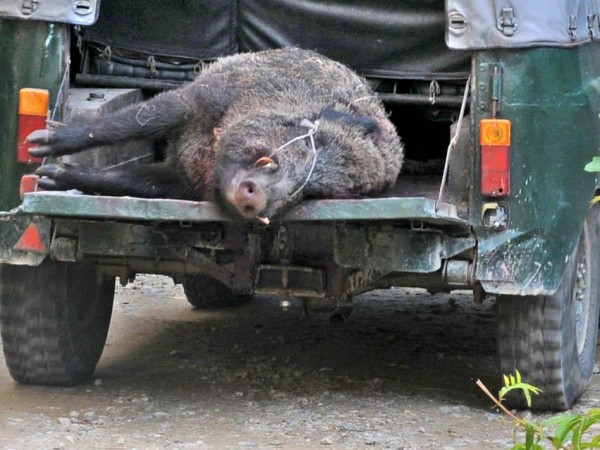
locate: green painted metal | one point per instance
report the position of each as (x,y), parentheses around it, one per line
(391,249)
(402,208)
(552,97)
(60,204)
(33,54)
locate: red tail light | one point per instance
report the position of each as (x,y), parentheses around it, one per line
(494,138)
(28,184)
(33,111)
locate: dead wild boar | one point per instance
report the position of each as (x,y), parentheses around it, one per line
(257,132)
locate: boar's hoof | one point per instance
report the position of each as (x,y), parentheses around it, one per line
(39,137)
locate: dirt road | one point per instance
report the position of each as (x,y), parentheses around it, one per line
(399,375)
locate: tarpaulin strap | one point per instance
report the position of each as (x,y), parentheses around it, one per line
(453,143)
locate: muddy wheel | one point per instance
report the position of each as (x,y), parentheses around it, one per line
(551,340)
(205,292)
(54,320)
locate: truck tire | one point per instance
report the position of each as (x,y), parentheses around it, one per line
(54,320)
(551,339)
(205,292)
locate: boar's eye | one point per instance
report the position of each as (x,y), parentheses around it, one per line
(258,151)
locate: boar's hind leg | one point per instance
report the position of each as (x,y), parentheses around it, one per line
(159,180)
(153,119)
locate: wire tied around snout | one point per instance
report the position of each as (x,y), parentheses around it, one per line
(312,129)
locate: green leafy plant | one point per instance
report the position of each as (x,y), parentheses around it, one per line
(593,165)
(512,382)
(569,431)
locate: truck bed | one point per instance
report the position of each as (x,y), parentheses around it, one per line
(412,198)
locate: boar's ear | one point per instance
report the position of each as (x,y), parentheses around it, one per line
(367,123)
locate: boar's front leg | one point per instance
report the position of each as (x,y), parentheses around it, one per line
(153,119)
(159,180)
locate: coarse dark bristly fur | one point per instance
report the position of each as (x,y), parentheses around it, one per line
(226,134)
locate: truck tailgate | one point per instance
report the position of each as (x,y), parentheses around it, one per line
(62,204)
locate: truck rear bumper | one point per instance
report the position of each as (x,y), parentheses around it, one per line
(353,241)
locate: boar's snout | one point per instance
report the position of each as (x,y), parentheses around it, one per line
(248,198)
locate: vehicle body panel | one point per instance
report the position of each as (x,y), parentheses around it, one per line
(551,96)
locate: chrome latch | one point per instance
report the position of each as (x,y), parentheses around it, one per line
(572,27)
(507,22)
(28,7)
(592,21)
(83,7)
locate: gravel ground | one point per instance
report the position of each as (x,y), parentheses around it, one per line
(400,374)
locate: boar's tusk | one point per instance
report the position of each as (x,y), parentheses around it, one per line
(264,161)
(264,220)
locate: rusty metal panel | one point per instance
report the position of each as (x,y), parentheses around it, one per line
(399,250)
(122,240)
(148,246)
(392,249)
(290,280)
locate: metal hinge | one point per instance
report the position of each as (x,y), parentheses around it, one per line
(28,7)
(507,22)
(489,87)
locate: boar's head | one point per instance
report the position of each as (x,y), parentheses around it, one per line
(263,164)
(268,162)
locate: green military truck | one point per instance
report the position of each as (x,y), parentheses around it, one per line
(496,101)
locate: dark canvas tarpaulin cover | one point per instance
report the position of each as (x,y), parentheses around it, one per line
(376,37)
(388,39)
(196,29)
